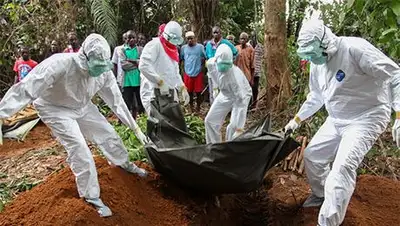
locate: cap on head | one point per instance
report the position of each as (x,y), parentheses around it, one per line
(96,46)
(244,35)
(189,34)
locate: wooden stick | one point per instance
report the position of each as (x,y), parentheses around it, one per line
(293,166)
(296,161)
(290,156)
(292,160)
(301,168)
(284,165)
(303,147)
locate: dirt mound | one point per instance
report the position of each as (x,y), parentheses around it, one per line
(134,201)
(155,201)
(376,201)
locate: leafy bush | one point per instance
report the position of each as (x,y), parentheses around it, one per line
(196,128)
(136,149)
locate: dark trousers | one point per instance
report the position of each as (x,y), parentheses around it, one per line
(132,100)
(256,83)
(199,100)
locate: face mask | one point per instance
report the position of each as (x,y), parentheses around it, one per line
(313,52)
(25,58)
(98,67)
(223,67)
(173,39)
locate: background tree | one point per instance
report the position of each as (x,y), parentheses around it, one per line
(276,55)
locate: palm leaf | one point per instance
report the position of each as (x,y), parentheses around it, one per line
(104,18)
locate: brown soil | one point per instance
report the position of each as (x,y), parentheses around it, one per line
(38,138)
(156,201)
(133,201)
(376,201)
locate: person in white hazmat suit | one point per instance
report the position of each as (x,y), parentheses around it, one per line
(61,89)
(358,85)
(233,95)
(159,66)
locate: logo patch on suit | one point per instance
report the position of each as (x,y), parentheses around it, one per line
(340,75)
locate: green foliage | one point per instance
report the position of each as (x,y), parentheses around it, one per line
(239,16)
(296,16)
(143,16)
(136,149)
(376,21)
(9,190)
(33,24)
(102,106)
(104,19)
(196,128)
(132,144)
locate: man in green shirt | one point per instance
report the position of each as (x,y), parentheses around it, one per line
(131,81)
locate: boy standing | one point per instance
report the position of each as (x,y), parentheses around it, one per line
(23,65)
(131,80)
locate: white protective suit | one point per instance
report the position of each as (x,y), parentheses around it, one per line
(156,66)
(234,95)
(356,85)
(61,89)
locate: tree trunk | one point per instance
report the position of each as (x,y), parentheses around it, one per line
(276,55)
(203,13)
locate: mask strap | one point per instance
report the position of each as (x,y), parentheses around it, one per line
(169,37)
(87,58)
(322,39)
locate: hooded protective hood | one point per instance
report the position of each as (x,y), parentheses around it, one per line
(173,33)
(96,47)
(224,54)
(315,29)
(224,58)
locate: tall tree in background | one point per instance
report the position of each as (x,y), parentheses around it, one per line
(276,55)
(203,16)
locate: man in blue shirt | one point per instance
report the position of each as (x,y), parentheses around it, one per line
(211,47)
(193,56)
(217,40)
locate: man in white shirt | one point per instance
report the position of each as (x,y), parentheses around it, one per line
(116,61)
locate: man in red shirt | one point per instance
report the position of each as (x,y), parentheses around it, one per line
(73,46)
(23,65)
